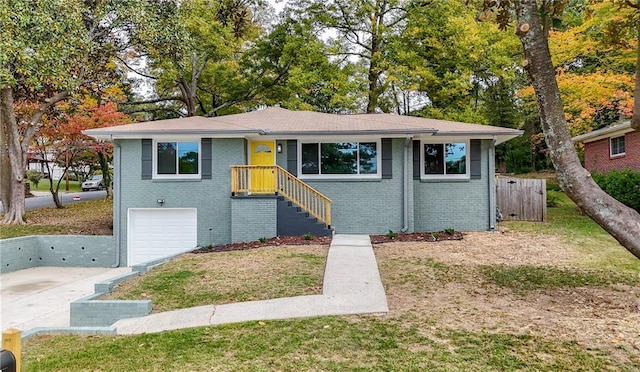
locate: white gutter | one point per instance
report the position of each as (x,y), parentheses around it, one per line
(117,220)
(405,185)
(491,166)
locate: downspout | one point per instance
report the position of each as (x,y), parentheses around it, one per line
(491,182)
(117,220)
(405,185)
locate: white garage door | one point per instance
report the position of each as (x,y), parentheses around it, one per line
(160,232)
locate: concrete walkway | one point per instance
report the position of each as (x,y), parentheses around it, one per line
(352,285)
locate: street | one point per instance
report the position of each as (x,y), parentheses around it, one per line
(46,200)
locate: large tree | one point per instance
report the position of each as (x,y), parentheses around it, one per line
(291,66)
(50,49)
(361,29)
(622,222)
(205,76)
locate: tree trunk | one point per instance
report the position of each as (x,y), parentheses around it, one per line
(374,69)
(5,169)
(622,222)
(106,175)
(188,95)
(16,145)
(55,195)
(13,176)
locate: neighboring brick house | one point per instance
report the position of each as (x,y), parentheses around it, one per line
(234,178)
(613,147)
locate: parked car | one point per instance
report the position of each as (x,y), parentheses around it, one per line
(93,183)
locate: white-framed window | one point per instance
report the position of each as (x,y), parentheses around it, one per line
(444,159)
(176,159)
(349,159)
(616,146)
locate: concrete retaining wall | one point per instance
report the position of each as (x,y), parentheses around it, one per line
(56,250)
(102,313)
(92,312)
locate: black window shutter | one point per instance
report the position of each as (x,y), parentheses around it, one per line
(387,158)
(292,157)
(205,144)
(147,159)
(416,160)
(475,153)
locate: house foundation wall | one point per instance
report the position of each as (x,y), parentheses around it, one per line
(56,250)
(253,218)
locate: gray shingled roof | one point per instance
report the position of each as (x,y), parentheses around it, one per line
(275,121)
(616,129)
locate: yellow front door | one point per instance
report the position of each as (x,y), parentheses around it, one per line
(263,180)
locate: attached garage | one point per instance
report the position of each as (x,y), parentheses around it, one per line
(155,233)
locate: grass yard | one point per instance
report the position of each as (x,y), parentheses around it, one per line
(43,185)
(556,296)
(93,217)
(206,278)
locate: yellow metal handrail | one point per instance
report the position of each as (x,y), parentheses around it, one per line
(273,179)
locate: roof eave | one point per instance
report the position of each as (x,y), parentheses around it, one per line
(107,135)
(603,133)
(398,132)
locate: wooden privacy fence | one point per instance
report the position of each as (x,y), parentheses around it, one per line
(522,199)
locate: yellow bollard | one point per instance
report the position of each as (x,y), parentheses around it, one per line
(12,341)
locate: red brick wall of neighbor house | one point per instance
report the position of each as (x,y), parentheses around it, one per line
(597,159)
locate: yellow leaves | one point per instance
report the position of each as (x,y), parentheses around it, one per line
(584,95)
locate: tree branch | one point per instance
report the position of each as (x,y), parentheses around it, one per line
(134,70)
(157,100)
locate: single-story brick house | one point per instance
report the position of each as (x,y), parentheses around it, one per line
(197,181)
(613,147)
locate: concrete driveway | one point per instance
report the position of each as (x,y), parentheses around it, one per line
(40,296)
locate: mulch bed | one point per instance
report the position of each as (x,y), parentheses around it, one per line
(416,237)
(277,241)
(300,240)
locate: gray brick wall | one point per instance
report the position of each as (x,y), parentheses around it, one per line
(253,218)
(57,250)
(369,206)
(211,197)
(104,313)
(364,207)
(19,253)
(461,205)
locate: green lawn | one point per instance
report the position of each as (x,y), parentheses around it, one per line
(225,277)
(444,315)
(92,217)
(43,185)
(319,344)
(577,229)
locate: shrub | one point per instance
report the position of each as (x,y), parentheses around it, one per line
(623,185)
(553,186)
(392,235)
(34,176)
(307,236)
(450,230)
(553,200)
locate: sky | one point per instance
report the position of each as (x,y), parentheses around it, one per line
(279,5)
